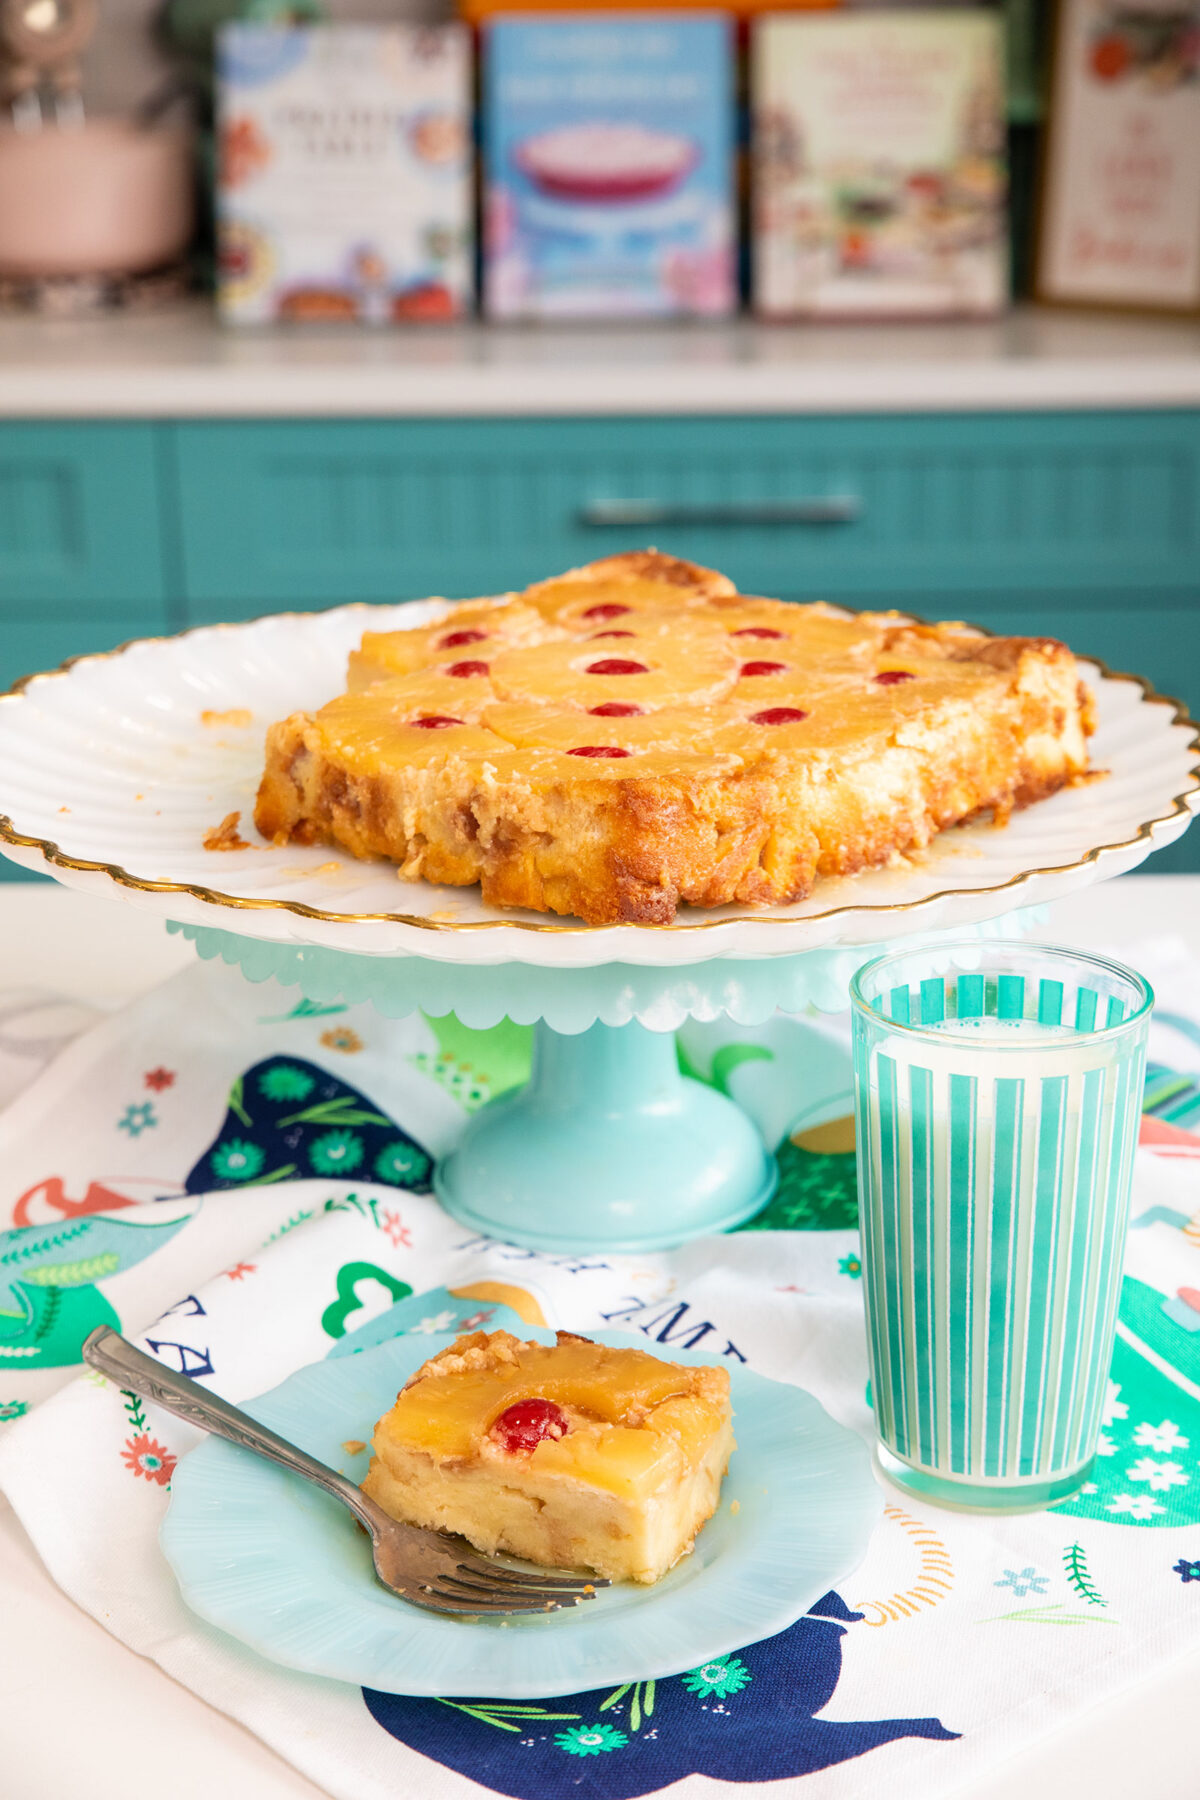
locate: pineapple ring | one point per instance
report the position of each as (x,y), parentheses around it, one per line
(475,630)
(842,709)
(645,622)
(576,605)
(388,704)
(775,630)
(657,672)
(366,734)
(529,726)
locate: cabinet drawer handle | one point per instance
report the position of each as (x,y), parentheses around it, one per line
(816,509)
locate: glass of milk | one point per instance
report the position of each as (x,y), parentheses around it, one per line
(998,1092)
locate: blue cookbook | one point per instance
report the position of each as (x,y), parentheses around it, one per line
(608,144)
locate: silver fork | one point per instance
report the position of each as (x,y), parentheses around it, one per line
(432,1569)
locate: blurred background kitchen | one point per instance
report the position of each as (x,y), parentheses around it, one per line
(310,301)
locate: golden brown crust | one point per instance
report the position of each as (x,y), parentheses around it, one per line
(476,1353)
(611,852)
(646,565)
(502,1353)
(900,730)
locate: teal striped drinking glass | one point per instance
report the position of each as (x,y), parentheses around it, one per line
(998,1091)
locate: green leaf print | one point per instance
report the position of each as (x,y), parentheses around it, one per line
(74,1274)
(342,1111)
(235,1103)
(1047,1615)
(641,1701)
(22,1245)
(1075,1563)
(49,1301)
(497,1713)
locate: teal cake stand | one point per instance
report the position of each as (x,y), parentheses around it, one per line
(608,1146)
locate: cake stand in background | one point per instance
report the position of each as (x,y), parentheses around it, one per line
(115,768)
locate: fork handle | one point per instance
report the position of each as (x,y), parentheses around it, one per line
(130,1368)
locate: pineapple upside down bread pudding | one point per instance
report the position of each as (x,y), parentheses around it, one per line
(636,735)
(571,1454)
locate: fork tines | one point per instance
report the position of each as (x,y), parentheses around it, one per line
(479,1586)
(495,1572)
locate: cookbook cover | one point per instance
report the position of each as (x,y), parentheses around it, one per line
(1121,179)
(879,173)
(343,182)
(608,143)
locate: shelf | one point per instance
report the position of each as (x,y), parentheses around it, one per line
(180,364)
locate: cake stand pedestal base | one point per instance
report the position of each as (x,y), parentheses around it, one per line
(608,1147)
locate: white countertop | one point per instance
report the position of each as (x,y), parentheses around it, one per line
(180,364)
(68,1691)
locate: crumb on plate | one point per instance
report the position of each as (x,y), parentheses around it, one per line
(226,836)
(237,716)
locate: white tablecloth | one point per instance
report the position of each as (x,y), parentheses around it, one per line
(129,1724)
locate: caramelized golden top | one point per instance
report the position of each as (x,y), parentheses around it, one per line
(648,666)
(632,1419)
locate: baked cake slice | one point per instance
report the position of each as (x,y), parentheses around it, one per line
(635,735)
(571,1455)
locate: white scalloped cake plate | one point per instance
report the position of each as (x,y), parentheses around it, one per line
(285,1569)
(110,777)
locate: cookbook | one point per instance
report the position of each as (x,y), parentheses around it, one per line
(344,173)
(608,145)
(879,181)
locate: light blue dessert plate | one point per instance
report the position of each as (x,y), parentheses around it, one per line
(285,1569)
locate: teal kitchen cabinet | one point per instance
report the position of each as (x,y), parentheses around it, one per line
(921,508)
(82,563)
(81,529)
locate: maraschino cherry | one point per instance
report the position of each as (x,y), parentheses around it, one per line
(607,610)
(616,709)
(616,665)
(889,677)
(598,750)
(778,715)
(454,638)
(464,669)
(434,722)
(522,1426)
